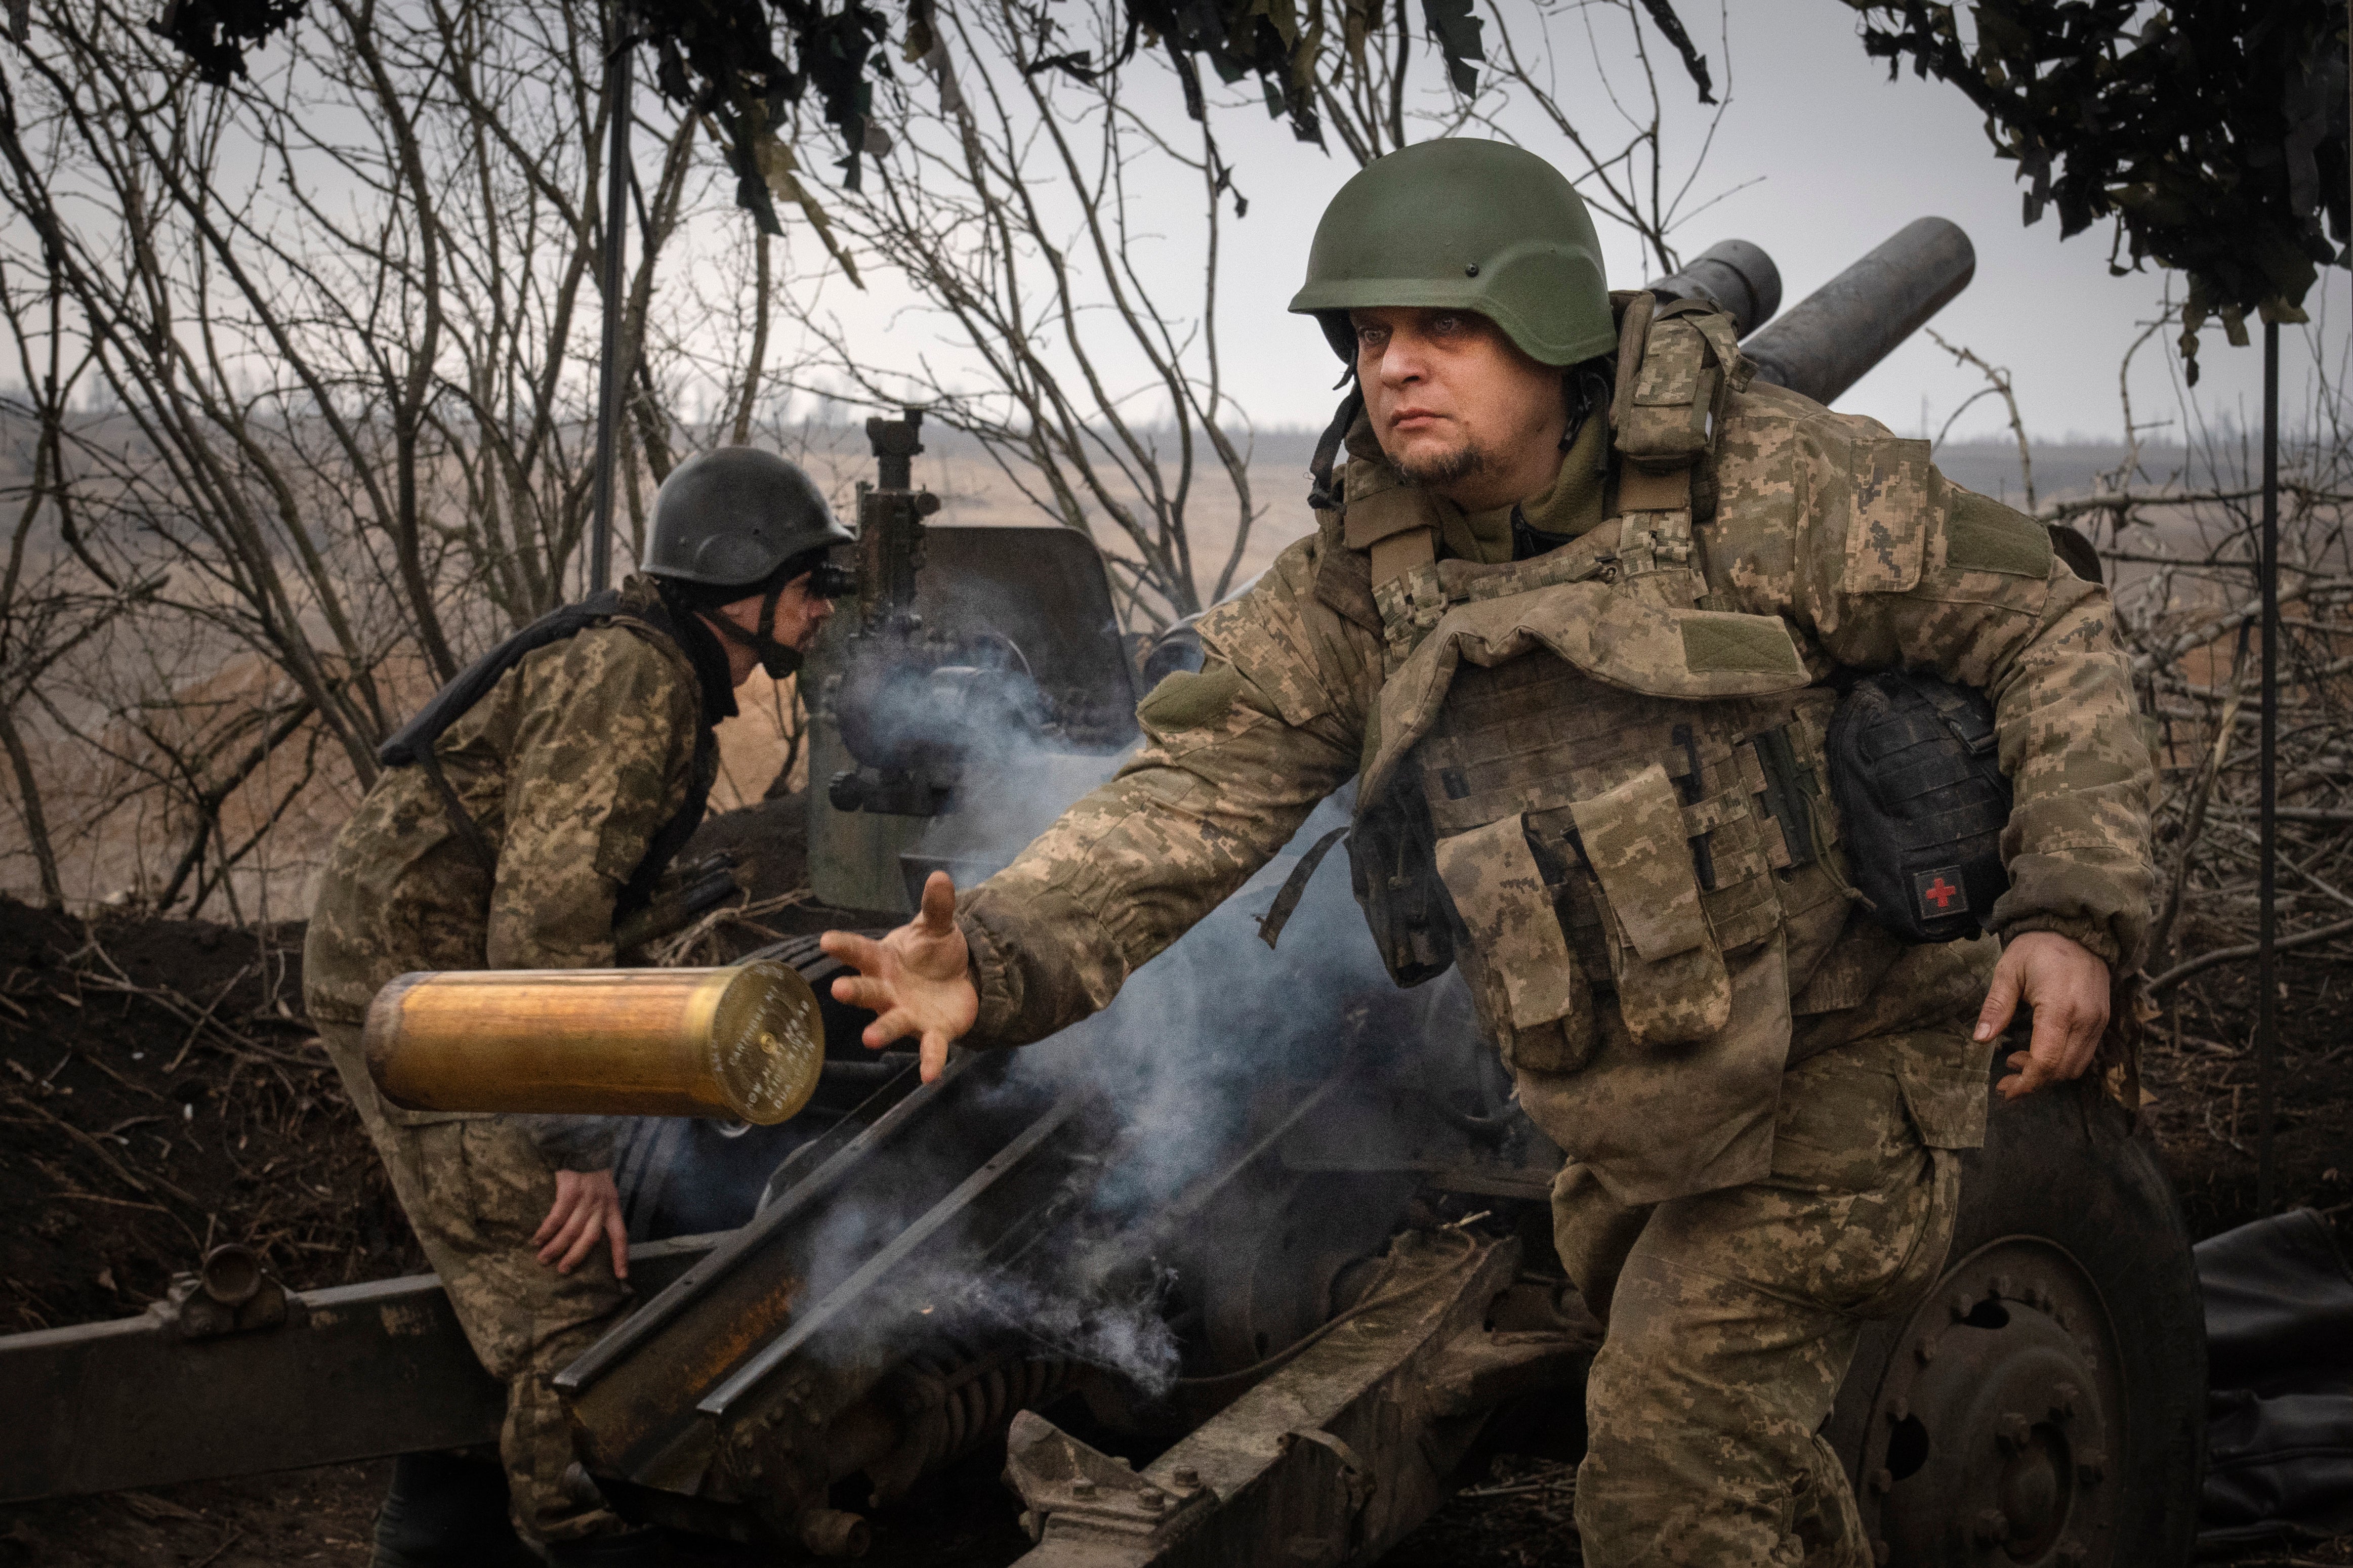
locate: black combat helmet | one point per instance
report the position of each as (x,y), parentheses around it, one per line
(730,517)
(736,521)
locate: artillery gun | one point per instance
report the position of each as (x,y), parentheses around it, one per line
(1253,1267)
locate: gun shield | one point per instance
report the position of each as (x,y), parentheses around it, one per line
(745,1042)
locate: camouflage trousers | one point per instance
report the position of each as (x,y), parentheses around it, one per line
(475,1188)
(1732,1315)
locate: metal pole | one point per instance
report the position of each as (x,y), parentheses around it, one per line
(609,378)
(2267,913)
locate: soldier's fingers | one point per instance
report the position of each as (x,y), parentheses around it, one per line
(2085,1023)
(582,1244)
(862,953)
(934,1054)
(568,1197)
(618,1235)
(2001,999)
(576,1223)
(896,1025)
(2044,1050)
(2018,1083)
(938,916)
(873,993)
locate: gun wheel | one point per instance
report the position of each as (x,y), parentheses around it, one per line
(1991,1434)
(2046,1402)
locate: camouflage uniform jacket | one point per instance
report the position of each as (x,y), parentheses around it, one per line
(1845,536)
(569,766)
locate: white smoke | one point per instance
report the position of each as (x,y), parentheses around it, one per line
(1184,1057)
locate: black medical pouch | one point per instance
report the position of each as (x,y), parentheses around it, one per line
(1923,799)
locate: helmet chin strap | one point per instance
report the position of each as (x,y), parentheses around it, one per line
(1586,391)
(775,658)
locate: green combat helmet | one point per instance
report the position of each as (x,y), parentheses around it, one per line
(1467,225)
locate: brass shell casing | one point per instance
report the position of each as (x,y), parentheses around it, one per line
(745,1042)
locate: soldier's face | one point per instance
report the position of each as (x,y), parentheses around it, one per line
(799,613)
(1457,407)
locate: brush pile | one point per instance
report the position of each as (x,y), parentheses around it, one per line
(163,1094)
(2182,559)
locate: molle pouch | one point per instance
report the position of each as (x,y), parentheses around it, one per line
(1534,996)
(1672,988)
(1664,424)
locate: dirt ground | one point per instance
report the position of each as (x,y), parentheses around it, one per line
(160,1093)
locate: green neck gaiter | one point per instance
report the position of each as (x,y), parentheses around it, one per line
(1569,506)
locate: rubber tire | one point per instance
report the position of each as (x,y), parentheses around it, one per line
(2116,1213)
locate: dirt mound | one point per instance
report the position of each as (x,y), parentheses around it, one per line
(163,1094)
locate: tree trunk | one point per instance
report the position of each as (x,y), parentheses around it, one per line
(36,826)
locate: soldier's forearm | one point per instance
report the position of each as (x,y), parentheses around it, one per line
(2077,846)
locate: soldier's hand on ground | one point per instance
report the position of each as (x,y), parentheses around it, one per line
(2067,987)
(916,981)
(587,1209)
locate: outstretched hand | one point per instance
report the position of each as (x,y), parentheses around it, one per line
(915,981)
(2067,987)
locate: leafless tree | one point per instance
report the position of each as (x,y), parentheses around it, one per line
(1091,367)
(327,325)
(337,315)
(1622,161)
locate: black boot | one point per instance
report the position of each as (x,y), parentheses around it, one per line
(446,1510)
(631,1548)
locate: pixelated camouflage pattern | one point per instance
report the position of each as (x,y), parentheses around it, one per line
(1825,522)
(1672,986)
(1622,639)
(1593,779)
(1733,1315)
(475,1190)
(1846,531)
(570,766)
(1527,980)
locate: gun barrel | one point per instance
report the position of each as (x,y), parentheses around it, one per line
(1733,274)
(1832,338)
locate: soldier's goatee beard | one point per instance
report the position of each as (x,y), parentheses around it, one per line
(1443,467)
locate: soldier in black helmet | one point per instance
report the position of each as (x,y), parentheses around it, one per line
(531,804)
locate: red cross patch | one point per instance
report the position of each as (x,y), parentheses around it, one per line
(1939,892)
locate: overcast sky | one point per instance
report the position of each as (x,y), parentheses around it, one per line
(1839,158)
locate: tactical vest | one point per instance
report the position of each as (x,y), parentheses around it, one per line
(413,743)
(1590,789)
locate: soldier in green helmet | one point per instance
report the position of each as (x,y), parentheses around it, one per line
(1576,615)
